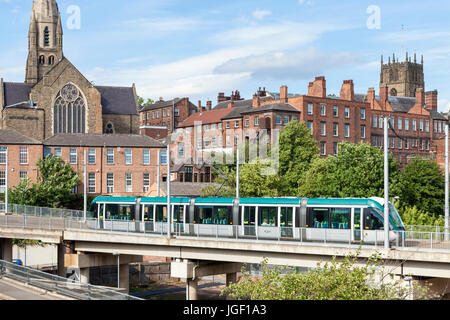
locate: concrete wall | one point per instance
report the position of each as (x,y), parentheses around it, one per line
(36,256)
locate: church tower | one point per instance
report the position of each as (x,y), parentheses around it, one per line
(402,78)
(44,39)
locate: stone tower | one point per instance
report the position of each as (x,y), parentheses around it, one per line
(44,39)
(402,78)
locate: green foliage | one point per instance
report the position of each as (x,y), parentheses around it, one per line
(357,171)
(413,216)
(344,280)
(297,149)
(55,182)
(143,102)
(22,243)
(422,184)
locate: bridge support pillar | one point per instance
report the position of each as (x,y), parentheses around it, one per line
(192,271)
(61,252)
(6,249)
(124,278)
(84,275)
(191,289)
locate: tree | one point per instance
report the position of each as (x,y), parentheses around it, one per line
(422,184)
(344,280)
(412,216)
(143,102)
(357,171)
(53,188)
(297,149)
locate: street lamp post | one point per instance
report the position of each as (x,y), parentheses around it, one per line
(386,182)
(446,185)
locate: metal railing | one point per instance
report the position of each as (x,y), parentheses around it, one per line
(415,237)
(44,212)
(60,285)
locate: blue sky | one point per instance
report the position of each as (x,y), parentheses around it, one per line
(197,48)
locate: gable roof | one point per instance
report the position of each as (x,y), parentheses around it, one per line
(206,117)
(286,107)
(161,104)
(16,92)
(118,100)
(103,140)
(14,137)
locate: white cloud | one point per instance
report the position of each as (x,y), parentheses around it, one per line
(261,14)
(279,65)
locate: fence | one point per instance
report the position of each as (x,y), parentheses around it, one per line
(60,285)
(415,237)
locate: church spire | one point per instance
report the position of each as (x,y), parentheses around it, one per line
(45,39)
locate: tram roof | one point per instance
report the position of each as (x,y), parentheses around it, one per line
(273,201)
(335,201)
(114,199)
(164,200)
(214,200)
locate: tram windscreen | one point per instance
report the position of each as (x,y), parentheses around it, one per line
(396,217)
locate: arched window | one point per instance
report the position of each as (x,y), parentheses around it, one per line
(41,60)
(393,92)
(46,37)
(69,111)
(51,60)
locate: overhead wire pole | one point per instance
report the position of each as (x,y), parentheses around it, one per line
(6,180)
(446,209)
(168,192)
(85,188)
(158,178)
(237,173)
(386,182)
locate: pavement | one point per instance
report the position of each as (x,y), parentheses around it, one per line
(11,290)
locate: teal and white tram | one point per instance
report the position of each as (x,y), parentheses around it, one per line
(329,220)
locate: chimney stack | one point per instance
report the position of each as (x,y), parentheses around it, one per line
(284,94)
(230,105)
(348,91)
(431,100)
(370,95)
(318,88)
(384,96)
(420,97)
(256,103)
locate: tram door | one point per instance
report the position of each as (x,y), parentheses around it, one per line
(178,218)
(286,222)
(356,224)
(101,215)
(249,221)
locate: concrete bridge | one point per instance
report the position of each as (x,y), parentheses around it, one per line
(83,247)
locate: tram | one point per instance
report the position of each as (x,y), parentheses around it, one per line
(331,220)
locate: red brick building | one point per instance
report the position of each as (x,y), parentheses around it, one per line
(119,165)
(164,117)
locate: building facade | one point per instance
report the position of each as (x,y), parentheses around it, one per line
(164,117)
(55,97)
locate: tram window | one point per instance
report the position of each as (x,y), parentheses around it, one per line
(148,213)
(249,216)
(178,214)
(120,212)
(319,217)
(286,217)
(213,215)
(374,220)
(340,218)
(268,216)
(161,213)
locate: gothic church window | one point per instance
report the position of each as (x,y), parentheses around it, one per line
(41,60)
(69,111)
(51,60)
(393,92)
